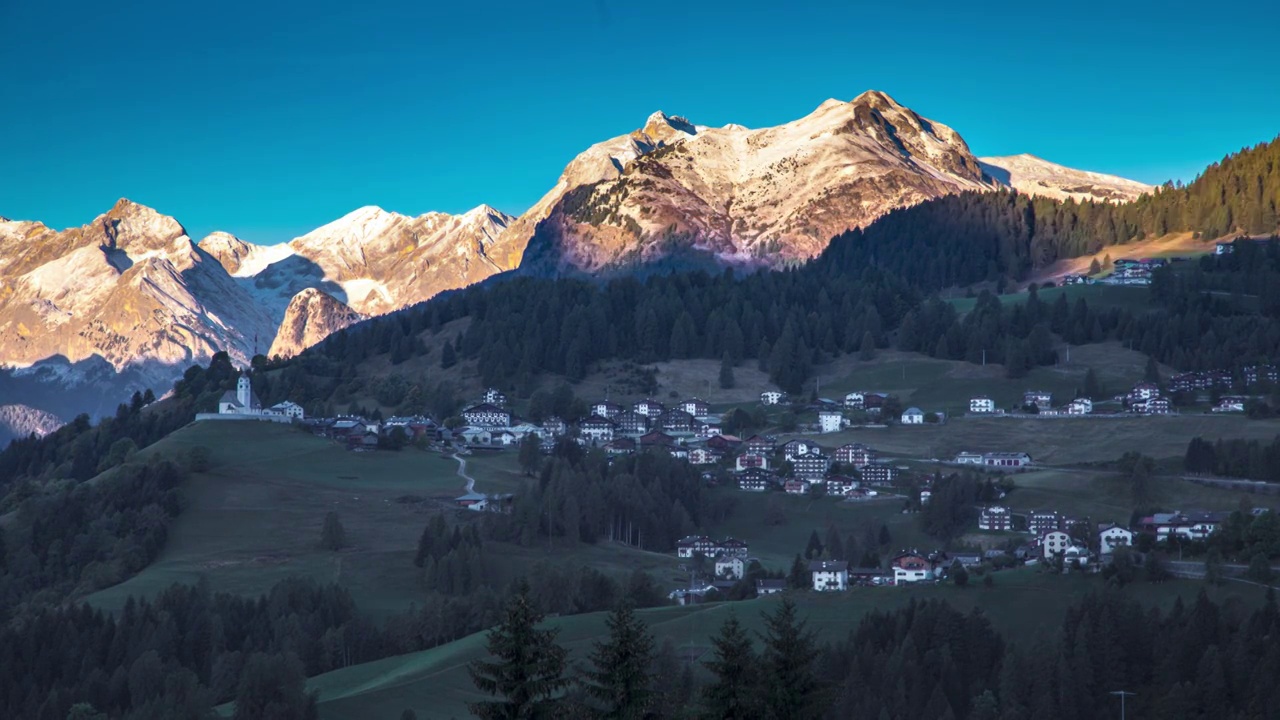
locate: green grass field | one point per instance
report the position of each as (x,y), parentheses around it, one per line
(1026,605)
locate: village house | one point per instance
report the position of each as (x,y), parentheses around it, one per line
(840,486)
(1195,525)
(723,443)
(596,429)
(1152,406)
(1225,248)
(925,496)
(1254,374)
(830,421)
(1040,522)
(878,474)
(494,396)
(1080,406)
(1054,542)
(1077,280)
(648,408)
(730,568)
(695,407)
(676,421)
(981,405)
(772,397)
(913,416)
(760,445)
(873,402)
(1006,459)
(770,587)
(633,423)
(969,458)
(995,518)
(606,409)
(706,427)
(731,547)
(554,427)
(748,461)
(796,487)
(911,567)
(656,438)
(811,466)
(855,400)
(704,456)
(1039,398)
(287,409)
(620,446)
(756,480)
(473,501)
(794,448)
(348,427)
(1143,391)
(1229,405)
(687,546)
(855,454)
(830,575)
(1112,536)
(487,415)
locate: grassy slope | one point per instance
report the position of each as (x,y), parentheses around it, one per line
(1024,604)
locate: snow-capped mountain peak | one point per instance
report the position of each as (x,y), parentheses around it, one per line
(1033,175)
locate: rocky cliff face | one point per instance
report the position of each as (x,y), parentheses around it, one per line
(312,316)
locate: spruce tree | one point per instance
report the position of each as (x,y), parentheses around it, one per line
(791,687)
(526,672)
(619,676)
(332,535)
(448,357)
(814,548)
(1092,388)
(867,351)
(733,694)
(530,453)
(726,372)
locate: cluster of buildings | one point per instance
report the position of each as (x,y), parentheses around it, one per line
(1041,400)
(1128,271)
(759,459)
(243,404)
(1145,399)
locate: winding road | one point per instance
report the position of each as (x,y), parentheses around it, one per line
(462,473)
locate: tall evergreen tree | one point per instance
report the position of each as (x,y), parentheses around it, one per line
(791,687)
(726,372)
(733,694)
(527,669)
(332,535)
(619,677)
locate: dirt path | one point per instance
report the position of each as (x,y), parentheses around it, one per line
(462,473)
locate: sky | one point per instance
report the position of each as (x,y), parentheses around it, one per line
(269,118)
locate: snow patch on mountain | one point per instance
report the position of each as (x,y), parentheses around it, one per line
(1036,176)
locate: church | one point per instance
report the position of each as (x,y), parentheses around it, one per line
(242,401)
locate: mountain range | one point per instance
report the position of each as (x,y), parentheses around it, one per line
(131,288)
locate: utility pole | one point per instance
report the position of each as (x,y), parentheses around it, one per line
(1122,695)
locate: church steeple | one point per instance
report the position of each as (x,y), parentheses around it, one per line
(244,391)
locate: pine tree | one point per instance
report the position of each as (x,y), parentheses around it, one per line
(619,675)
(867,350)
(448,357)
(726,372)
(814,548)
(1092,388)
(1152,372)
(791,687)
(527,669)
(332,535)
(530,453)
(732,695)
(798,578)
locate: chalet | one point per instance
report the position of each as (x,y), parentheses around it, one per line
(596,429)
(1256,374)
(913,416)
(794,448)
(911,567)
(631,422)
(1080,406)
(607,410)
(811,466)
(1188,526)
(287,409)
(472,435)
(995,518)
(747,461)
(1040,522)
(878,474)
(620,446)
(1143,391)
(687,546)
(487,415)
(830,421)
(855,454)
(796,487)
(473,501)
(709,426)
(648,408)
(348,427)
(704,456)
(723,443)
(554,427)
(756,480)
(730,547)
(1229,405)
(695,407)
(830,576)
(1153,406)
(967,560)
(1039,398)
(676,421)
(872,402)
(969,458)
(656,438)
(730,568)
(760,445)
(1112,536)
(770,587)
(855,400)
(494,396)
(1006,459)
(772,397)
(1054,542)
(982,405)
(841,486)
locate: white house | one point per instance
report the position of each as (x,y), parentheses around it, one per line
(772,397)
(913,416)
(830,576)
(830,421)
(968,458)
(770,587)
(1080,406)
(855,400)
(487,415)
(596,429)
(995,517)
(911,567)
(1112,536)
(982,404)
(494,396)
(730,568)
(1039,398)
(1054,543)
(288,409)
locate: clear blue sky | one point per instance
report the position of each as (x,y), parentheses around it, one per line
(267,119)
